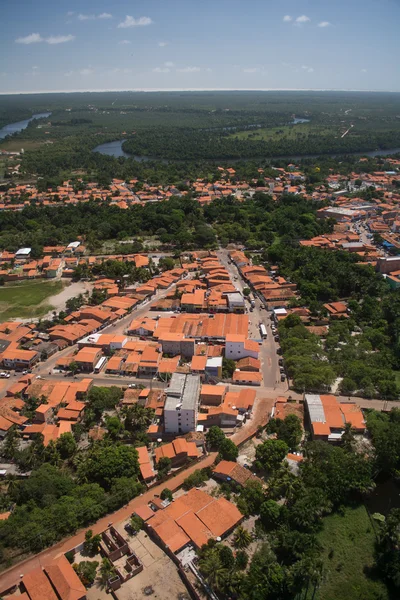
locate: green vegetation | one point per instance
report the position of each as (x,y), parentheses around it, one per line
(197,478)
(195,126)
(348,542)
(23,300)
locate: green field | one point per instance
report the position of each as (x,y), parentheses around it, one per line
(348,543)
(21,300)
(288,131)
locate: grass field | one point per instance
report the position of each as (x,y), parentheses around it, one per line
(16,145)
(348,543)
(21,300)
(289,131)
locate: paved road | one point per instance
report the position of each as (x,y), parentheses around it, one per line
(268,355)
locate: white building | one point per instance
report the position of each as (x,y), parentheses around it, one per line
(236,302)
(237,347)
(182,403)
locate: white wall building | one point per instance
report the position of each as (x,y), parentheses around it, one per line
(237,347)
(182,404)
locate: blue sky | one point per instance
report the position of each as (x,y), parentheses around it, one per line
(199,44)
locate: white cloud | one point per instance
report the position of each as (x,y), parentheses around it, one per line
(87,71)
(131,22)
(83,17)
(189,70)
(303,19)
(118,70)
(123,42)
(324,24)
(364,71)
(287,18)
(161,70)
(208,70)
(33,38)
(251,70)
(162,44)
(70,13)
(68,74)
(169,64)
(59,39)
(308,69)
(35,68)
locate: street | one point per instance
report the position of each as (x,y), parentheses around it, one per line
(268,355)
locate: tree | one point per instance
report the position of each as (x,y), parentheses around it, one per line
(246,291)
(251,497)
(197,478)
(86,571)
(73,367)
(289,430)
(228,450)
(91,545)
(104,463)
(136,523)
(163,466)
(166,263)
(388,554)
(271,454)
(106,571)
(228,368)
(242,538)
(241,560)
(11,444)
(114,427)
(66,445)
(166,494)
(214,437)
(270,513)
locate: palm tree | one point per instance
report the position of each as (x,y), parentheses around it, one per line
(13,484)
(214,573)
(242,538)
(106,571)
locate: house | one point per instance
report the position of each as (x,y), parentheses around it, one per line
(181,404)
(13,358)
(326,417)
(231,471)
(193,518)
(179,451)
(337,310)
(145,465)
(87,358)
(237,347)
(212,395)
(54,581)
(247,377)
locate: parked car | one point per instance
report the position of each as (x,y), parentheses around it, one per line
(132,386)
(283,377)
(4,375)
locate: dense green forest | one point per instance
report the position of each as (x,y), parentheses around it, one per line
(201,126)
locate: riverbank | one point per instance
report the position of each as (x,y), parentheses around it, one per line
(116,150)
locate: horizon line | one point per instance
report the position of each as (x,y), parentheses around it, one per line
(155,90)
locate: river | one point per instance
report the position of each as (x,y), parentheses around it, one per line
(115,149)
(12,128)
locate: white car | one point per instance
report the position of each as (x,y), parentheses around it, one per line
(3,375)
(132,386)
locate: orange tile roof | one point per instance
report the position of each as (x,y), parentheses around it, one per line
(64,579)
(220,516)
(38,586)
